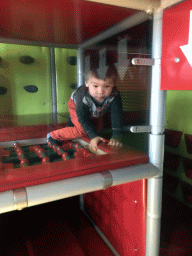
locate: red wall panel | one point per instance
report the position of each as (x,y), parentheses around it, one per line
(120,213)
(176,71)
(68,22)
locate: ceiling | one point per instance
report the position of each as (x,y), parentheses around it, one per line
(59,22)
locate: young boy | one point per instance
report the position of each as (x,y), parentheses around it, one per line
(87,105)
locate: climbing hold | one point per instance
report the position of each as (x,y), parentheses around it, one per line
(26,59)
(31,88)
(73,86)
(72,60)
(3,90)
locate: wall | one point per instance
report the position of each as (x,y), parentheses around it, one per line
(15,75)
(22,107)
(66,75)
(178,143)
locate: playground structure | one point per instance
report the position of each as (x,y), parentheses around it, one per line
(19,189)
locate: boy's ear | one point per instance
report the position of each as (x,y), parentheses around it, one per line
(86,84)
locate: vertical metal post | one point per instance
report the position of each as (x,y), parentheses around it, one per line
(80,82)
(80,79)
(53,84)
(156,143)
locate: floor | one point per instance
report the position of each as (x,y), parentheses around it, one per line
(60,228)
(57,228)
(176,228)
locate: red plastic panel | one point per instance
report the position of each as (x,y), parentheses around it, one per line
(172,138)
(39,174)
(54,239)
(171,161)
(188,140)
(59,238)
(187,192)
(68,22)
(43,173)
(27,132)
(91,242)
(180,241)
(176,73)
(170,183)
(120,213)
(188,167)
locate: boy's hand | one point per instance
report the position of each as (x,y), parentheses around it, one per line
(94,142)
(115,143)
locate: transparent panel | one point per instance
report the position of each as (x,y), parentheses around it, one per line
(133,81)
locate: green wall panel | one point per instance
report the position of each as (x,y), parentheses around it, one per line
(66,75)
(14,75)
(178,111)
(178,118)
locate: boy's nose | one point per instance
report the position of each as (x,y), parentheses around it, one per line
(101,91)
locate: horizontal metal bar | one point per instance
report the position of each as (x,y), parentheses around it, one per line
(130,22)
(40,194)
(168,3)
(133,173)
(139,129)
(8,144)
(36,43)
(145,5)
(143,61)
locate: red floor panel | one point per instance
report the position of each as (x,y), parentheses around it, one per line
(58,238)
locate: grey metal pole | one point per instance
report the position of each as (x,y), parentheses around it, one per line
(156,143)
(145,5)
(80,80)
(53,84)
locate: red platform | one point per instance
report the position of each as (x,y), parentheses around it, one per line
(11,178)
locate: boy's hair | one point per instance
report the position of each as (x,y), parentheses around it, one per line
(111,72)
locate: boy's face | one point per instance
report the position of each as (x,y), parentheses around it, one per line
(100,89)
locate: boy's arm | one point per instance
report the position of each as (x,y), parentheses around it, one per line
(84,118)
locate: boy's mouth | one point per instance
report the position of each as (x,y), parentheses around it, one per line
(100,98)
